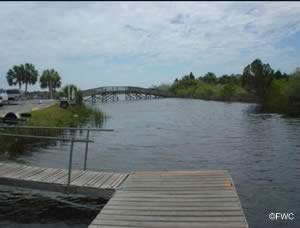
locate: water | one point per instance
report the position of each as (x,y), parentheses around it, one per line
(19,208)
(261,151)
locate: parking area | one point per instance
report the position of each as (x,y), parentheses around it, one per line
(24,107)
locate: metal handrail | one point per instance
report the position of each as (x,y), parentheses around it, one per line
(46,137)
(72,140)
(58,128)
(65,128)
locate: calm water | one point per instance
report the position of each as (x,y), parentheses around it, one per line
(261,152)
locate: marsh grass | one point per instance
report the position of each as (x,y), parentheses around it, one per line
(53,116)
(74,116)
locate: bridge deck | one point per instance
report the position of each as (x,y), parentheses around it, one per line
(147,199)
(124,90)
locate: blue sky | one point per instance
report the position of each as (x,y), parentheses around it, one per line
(96,44)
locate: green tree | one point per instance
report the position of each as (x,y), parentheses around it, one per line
(257,77)
(22,74)
(210,77)
(192,77)
(50,79)
(73,92)
(30,75)
(232,79)
(14,76)
(228,92)
(294,84)
(278,74)
(277,98)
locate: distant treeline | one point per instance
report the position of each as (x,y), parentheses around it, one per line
(258,83)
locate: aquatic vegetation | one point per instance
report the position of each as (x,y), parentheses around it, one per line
(74,116)
(53,116)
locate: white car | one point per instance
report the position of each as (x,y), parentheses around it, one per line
(3,97)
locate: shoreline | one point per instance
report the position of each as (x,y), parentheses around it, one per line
(73,116)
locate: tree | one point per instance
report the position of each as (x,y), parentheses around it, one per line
(22,74)
(278,74)
(73,92)
(258,77)
(294,84)
(30,75)
(228,91)
(210,77)
(14,76)
(192,77)
(229,79)
(50,79)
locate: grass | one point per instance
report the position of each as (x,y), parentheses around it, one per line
(74,116)
(52,116)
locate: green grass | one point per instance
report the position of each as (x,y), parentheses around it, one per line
(74,116)
(53,116)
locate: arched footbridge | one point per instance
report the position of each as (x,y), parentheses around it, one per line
(110,93)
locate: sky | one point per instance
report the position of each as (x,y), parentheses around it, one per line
(93,44)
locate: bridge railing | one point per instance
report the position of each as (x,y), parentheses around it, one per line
(125,89)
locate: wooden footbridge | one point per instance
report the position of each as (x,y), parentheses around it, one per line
(110,93)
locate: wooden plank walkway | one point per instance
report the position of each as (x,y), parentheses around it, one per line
(172,199)
(102,184)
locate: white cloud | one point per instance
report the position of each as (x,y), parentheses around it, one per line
(179,34)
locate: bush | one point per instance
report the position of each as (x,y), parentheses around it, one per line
(277,96)
(293,88)
(228,91)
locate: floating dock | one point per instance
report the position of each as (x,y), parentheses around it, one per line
(171,199)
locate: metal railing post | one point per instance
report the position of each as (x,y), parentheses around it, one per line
(86,149)
(70,161)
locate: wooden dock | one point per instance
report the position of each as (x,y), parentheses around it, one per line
(171,199)
(102,184)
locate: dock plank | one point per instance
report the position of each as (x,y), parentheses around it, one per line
(174,199)
(171,199)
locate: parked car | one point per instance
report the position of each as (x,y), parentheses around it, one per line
(14,94)
(3,97)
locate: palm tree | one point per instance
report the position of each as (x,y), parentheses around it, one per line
(30,75)
(22,74)
(72,92)
(15,76)
(50,79)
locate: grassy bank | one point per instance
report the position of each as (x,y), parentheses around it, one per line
(52,116)
(74,116)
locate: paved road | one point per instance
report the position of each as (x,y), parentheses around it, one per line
(24,106)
